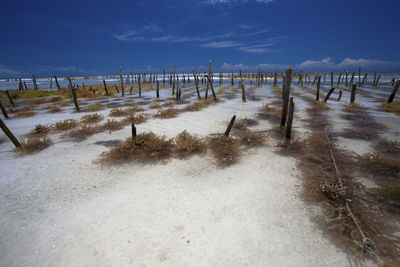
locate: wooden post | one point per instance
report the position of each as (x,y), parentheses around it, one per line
(329,94)
(122,81)
(158,89)
(288,79)
(21,86)
(10,135)
(163,80)
(364,79)
(318,85)
(315,79)
(340,95)
(374,79)
(58,85)
(212,87)
(275,79)
(352,78)
(116,88)
(347,74)
(196,82)
(359,76)
(105,87)
(243,91)
(331,79)
(9,98)
(353,93)
(393,94)
(35,86)
(3,110)
(51,83)
(133,131)
(228,130)
(232,80)
(377,80)
(74,99)
(338,81)
(290,119)
(140,86)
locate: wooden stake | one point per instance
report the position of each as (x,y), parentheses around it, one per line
(318,85)
(133,131)
(158,89)
(393,94)
(9,98)
(140,87)
(243,91)
(105,87)
(340,95)
(58,85)
(10,135)
(35,86)
(275,79)
(196,82)
(329,94)
(74,99)
(3,110)
(290,119)
(338,81)
(212,87)
(122,81)
(228,130)
(288,79)
(353,93)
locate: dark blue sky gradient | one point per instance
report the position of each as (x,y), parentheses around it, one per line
(95,37)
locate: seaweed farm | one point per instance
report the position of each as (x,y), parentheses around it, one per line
(229,168)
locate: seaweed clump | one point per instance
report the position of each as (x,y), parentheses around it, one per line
(83,132)
(144,147)
(92,118)
(33,145)
(187,144)
(225,149)
(66,124)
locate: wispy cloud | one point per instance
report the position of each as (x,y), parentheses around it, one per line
(260,48)
(221,44)
(347,63)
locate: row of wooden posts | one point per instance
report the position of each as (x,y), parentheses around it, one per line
(288,103)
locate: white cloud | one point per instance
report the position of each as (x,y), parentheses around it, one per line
(221,44)
(348,63)
(243,67)
(260,48)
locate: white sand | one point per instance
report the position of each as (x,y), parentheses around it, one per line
(58,208)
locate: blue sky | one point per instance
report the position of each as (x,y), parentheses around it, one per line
(96,37)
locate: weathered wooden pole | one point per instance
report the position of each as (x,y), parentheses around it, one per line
(9,98)
(116,88)
(51,83)
(373,84)
(163,80)
(74,99)
(212,87)
(158,89)
(318,85)
(394,92)
(329,94)
(315,79)
(133,131)
(196,82)
(140,86)
(353,93)
(105,87)
(3,110)
(359,76)
(340,95)
(352,78)
(338,81)
(21,86)
(288,79)
(290,119)
(232,80)
(347,75)
(364,79)
(377,80)
(57,84)
(275,79)
(35,86)
(9,134)
(331,79)
(228,130)
(122,81)
(243,91)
